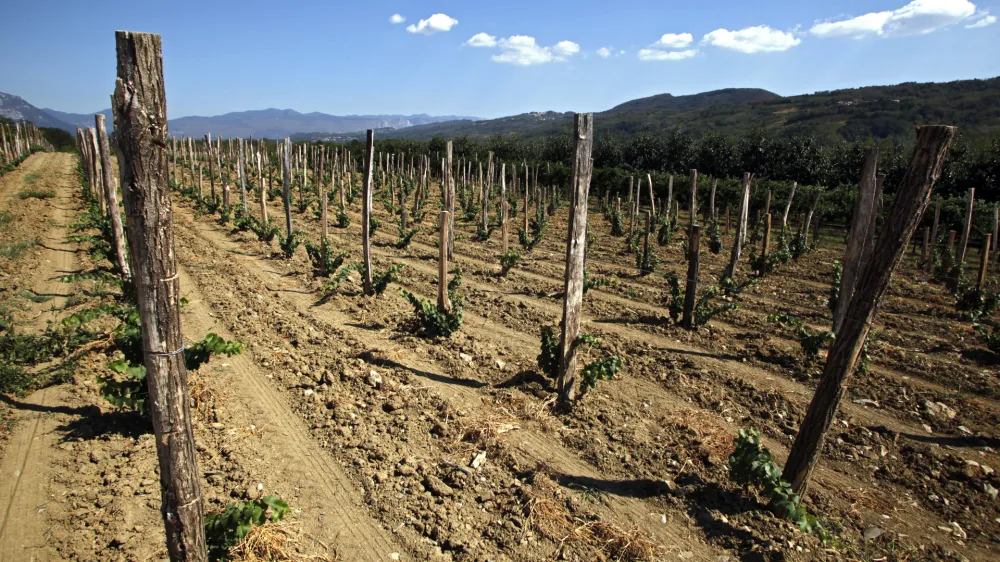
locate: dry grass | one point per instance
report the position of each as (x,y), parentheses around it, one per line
(272,542)
(619,544)
(202,399)
(716,438)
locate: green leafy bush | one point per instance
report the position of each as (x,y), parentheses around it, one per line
(434,322)
(323,260)
(406,237)
(290,243)
(226,529)
(835,280)
(704,310)
(508,261)
(381,279)
(751,465)
(549,359)
(811,342)
(589,283)
(675,306)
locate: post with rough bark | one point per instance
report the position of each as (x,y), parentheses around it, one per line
(741,226)
(967,227)
(984,262)
(652,196)
(444,303)
(263,192)
(576,247)
(449,189)
(366,213)
(211,164)
(691,293)
(859,235)
(766,244)
(788,207)
(694,198)
(286,181)
(141,130)
(911,200)
(243,176)
(924,250)
(111,197)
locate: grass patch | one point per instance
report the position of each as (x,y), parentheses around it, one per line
(6,218)
(33,193)
(31,177)
(14,250)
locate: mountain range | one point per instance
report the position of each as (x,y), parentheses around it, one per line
(269,123)
(831,116)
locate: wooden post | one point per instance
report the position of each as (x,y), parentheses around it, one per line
(631,207)
(766,245)
(444,302)
(140,111)
(691,294)
(670,198)
(243,175)
(694,198)
(984,261)
(576,247)
(449,189)
(788,207)
(111,197)
(910,202)
(727,220)
(323,204)
(652,197)
(211,164)
(858,237)
(95,157)
(966,228)
(366,213)
(951,242)
(286,184)
(711,201)
(741,226)
(263,192)
(645,238)
(504,234)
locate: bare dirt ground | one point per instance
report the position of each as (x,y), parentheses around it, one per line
(371,432)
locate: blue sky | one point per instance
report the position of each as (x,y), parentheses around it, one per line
(488,59)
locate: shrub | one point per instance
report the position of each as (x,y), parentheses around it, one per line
(549,359)
(406,237)
(290,243)
(704,310)
(224,530)
(434,322)
(811,342)
(381,280)
(509,260)
(323,261)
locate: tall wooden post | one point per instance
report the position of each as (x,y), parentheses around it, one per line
(449,189)
(926,247)
(211,164)
(243,175)
(694,198)
(967,227)
(711,201)
(504,229)
(286,184)
(766,245)
(691,293)
(576,247)
(858,237)
(788,207)
(111,197)
(322,193)
(645,237)
(741,227)
(140,110)
(911,200)
(366,213)
(444,302)
(263,192)
(984,261)
(652,196)
(670,198)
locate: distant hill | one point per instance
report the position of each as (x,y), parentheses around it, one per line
(82,120)
(874,111)
(279,123)
(16,109)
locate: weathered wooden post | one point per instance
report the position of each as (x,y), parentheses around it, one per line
(927,242)
(504,230)
(323,204)
(741,226)
(243,176)
(366,213)
(691,293)
(286,184)
(576,247)
(788,207)
(444,302)
(694,198)
(111,197)
(984,261)
(645,237)
(140,111)
(766,245)
(966,228)
(711,201)
(858,237)
(727,220)
(263,193)
(911,200)
(652,196)
(670,199)
(211,164)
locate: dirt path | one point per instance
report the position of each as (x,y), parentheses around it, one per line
(26,467)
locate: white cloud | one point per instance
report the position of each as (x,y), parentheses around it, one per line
(757,39)
(854,27)
(433,24)
(984,20)
(604,52)
(659,55)
(565,49)
(674,41)
(482,40)
(396,18)
(525,51)
(916,18)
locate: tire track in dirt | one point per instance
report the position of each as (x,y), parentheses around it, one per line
(534,445)
(27,462)
(334,511)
